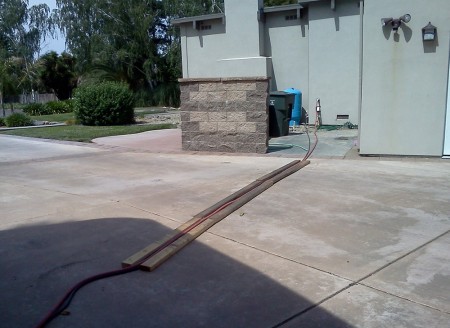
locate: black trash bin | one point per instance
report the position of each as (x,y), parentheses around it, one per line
(280,111)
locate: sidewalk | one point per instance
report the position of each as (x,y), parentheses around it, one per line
(333,144)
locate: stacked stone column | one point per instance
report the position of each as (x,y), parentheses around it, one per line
(225,114)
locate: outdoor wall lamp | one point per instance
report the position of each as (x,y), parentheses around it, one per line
(395,22)
(429,32)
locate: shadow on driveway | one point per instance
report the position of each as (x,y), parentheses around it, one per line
(199,287)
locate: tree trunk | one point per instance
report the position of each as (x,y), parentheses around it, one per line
(3,105)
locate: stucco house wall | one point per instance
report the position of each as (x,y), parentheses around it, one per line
(316,53)
(334,60)
(228,47)
(393,85)
(405,79)
(287,44)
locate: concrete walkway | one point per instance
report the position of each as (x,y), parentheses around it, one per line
(333,144)
(341,243)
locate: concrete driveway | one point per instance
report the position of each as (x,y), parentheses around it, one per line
(341,243)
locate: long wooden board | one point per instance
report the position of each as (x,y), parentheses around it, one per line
(157,253)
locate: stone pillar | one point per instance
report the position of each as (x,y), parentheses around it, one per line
(225,114)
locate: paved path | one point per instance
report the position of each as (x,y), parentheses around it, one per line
(333,144)
(338,244)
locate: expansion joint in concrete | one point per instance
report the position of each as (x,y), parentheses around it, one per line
(403,256)
(404,298)
(359,282)
(150,212)
(282,257)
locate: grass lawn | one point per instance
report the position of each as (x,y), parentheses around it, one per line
(83,133)
(55,117)
(86,133)
(139,112)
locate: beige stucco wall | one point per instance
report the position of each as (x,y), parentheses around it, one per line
(319,55)
(334,60)
(405,79)
(233,49)
(402,96)
(287,43)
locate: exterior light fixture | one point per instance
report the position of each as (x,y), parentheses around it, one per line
(429,32)
(395,22)
(386,21)
(405,18)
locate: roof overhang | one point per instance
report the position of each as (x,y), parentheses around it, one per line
(195,20)
(277,9)
(298,6)
(332,3)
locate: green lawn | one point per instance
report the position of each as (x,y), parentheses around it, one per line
(139,112)
(83,133)
(55,117)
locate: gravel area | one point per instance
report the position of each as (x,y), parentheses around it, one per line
(169,116)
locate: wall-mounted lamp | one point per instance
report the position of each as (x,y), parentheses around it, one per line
(429,32)
(395,22)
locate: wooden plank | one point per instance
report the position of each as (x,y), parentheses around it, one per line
(133,259)
(228,199)
(159,258)
(153,262)
(193,228)
(277,171)
(289,171)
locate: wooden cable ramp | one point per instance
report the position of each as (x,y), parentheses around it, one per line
(157,253)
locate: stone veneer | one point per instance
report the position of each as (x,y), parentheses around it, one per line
(225,114)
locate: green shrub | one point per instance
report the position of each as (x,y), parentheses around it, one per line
(57,107)
(52,107)
(69,104)
(106,103)
(2,121)
(35,109)
(18,119)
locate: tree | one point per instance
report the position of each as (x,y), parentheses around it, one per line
(119,38)
(6,83)
(130,41)
(177,9)
(22,30)
(57,74)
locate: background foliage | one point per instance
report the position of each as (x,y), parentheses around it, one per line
(22,30)
(18,119)
(107,40)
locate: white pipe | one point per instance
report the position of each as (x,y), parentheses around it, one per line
(361,49)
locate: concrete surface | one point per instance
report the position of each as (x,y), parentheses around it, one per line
(161,141)
(341,243)
(332,144)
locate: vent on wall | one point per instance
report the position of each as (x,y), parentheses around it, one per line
(205,27)
(291,17)
(342,117)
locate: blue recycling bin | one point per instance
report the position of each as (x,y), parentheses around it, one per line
(296,108)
